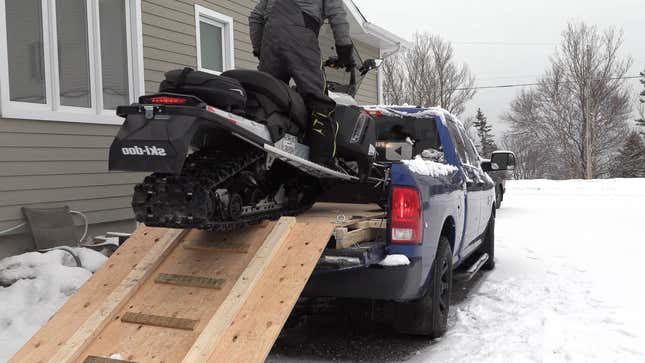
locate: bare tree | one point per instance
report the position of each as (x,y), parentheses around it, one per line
(530,139)
(427,74)
(394,81)
(581,105)
(531,162)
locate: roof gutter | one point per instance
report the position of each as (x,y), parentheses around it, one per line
(387,36)
(396,42)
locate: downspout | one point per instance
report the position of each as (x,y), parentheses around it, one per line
(379,74)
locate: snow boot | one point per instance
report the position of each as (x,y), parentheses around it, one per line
(322,131)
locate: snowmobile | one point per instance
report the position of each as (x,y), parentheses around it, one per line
(230,150)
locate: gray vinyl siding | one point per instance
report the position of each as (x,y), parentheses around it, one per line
(169,35)
(51,164)
(368,92)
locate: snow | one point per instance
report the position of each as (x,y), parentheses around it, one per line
(567,286)
(343,99)
(90,259)
(35,286)
(396,111)
(421,166)
(395,260)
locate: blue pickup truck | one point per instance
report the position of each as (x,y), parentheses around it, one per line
(440,221)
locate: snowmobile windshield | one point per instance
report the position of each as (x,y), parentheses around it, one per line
(402,137)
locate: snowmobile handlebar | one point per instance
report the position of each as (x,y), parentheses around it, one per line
(368,65)
(350,88)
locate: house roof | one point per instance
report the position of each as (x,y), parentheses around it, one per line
(370,33)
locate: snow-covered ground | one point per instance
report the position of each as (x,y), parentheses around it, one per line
(567,287)
(37,285)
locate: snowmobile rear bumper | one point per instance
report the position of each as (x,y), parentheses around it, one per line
(158,138)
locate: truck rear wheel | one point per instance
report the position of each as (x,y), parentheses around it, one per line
(429,315)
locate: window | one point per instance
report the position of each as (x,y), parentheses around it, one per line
(471,150)
(457,138)
(69,60)
(215,48)
(396,129)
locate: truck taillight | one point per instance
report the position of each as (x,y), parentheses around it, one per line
(406,216)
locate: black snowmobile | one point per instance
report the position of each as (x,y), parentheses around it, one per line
(230,150)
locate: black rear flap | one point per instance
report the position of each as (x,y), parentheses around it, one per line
(153,145)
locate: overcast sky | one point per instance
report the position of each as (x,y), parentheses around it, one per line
(508,41)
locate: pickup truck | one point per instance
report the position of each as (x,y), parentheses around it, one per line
(440,220)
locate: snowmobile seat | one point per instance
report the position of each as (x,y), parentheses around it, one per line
(217,91)
(269,88)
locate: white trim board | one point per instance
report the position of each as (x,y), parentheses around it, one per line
(228,36)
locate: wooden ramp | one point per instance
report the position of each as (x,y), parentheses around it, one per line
(190,296)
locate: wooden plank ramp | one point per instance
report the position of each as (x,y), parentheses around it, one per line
(191,296)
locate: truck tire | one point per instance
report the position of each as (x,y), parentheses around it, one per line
(499,196)
(488,246)
(428,316)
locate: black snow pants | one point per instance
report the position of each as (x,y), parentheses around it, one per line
(290,50)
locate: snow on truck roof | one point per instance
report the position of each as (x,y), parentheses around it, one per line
(410,111)
(413,111)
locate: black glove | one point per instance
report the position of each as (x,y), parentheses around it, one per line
(345,56)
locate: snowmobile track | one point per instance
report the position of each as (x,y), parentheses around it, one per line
(192,199)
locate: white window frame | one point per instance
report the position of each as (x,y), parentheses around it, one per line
(228,36)
(52,110)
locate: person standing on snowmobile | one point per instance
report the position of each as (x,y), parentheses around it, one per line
(284,34)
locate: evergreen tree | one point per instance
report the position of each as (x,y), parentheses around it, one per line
(641,111)
(641,119)
(630,163)
(484,131)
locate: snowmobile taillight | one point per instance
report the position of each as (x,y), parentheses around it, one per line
(170,99)
(375,113)
(406,216)
(165,100)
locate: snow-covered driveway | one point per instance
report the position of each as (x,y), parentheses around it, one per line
(569,281)
(568,286)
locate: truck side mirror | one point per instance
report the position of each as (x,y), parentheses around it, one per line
(486,166)
(502,160)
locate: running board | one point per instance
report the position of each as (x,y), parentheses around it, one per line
(472,270)
(307,166)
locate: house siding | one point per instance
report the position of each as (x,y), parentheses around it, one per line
(50,164)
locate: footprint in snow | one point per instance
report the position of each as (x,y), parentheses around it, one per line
(625,333)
